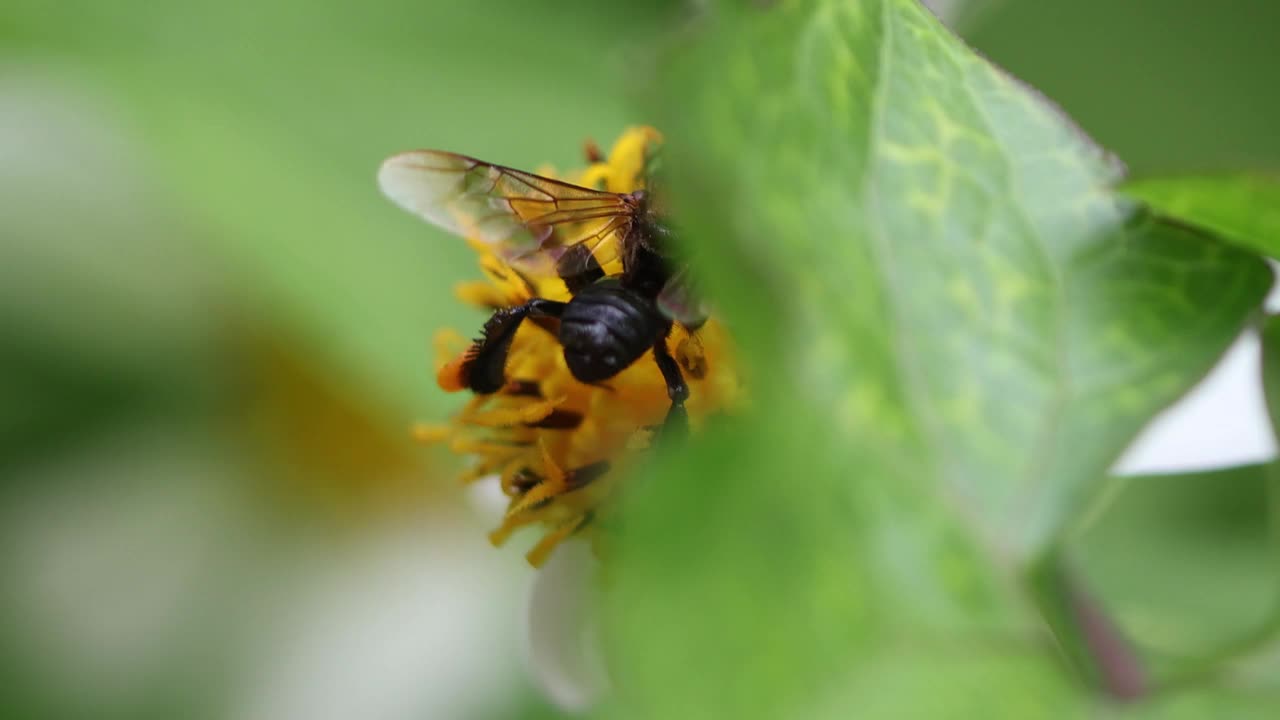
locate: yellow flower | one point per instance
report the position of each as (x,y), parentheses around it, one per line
(558,447)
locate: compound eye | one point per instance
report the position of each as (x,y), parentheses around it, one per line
(611,360)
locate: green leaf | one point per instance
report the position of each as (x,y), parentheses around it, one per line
(952,327)
(975,302)
(1086,632)
(1244,208)
(961,15)
(754,584)
(1244,688)
(1214,702)
(1186,564)
(1271,370)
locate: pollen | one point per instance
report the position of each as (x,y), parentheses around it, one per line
(560,449)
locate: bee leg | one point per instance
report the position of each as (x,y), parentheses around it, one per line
(677,422)
(483,369)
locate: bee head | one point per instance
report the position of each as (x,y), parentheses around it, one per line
(639,199)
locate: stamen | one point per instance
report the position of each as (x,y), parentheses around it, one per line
(528,414)
(538,555)
(428,434)
(559,420)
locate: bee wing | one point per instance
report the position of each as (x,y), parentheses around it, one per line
(679,301)
(527,219)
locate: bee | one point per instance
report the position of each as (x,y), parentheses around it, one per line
(542,228)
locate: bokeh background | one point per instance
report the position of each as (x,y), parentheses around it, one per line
(214,333)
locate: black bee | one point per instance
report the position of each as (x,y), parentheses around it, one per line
(542,226)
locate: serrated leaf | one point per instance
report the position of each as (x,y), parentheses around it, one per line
(952,326)
(1244,208)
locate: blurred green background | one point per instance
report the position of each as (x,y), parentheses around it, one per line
(214,332)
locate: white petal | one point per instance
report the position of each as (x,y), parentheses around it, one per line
(564,649)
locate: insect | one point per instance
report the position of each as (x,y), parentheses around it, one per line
(541,226)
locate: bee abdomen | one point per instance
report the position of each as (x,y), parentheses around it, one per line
(605,328)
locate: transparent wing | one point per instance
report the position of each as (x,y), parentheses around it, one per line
(680,302)
(524,217)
